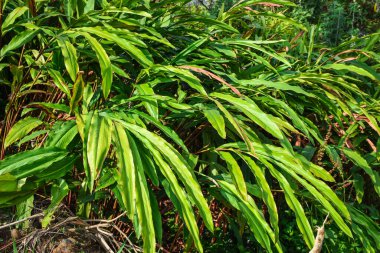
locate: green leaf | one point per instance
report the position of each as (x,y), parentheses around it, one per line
(181,168)
(165,129)
(62,134)
(277,85)
(235,124)
(97,145)
(53,106)
(21,129)
(209,22)
(58,169)
(292,201)
(132,50)
(143,205)
(250,109)
(157,145)
(69,7)
(184,206)
(193,46)
(317,194)
(11,17)
(216,120)
(256,222)
(287,161)
(18,41)
(266,192)
(90,4)
(59,191)
(253,45)
(58,81)
(359,187)
(157,220)
(185,75)
(31,137)
(370,226)
(105,63)
(70,57)
(351,68)
(31,162)
(8,183)
(77,96)
(151,106)
(359,161)
(24,210)
(126,168)
(236,174)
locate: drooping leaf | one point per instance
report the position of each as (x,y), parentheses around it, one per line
(21,129)
(134,51)
(30,162)
(105,63)
(59,81)
(70,57)
(216,120)
(62,134)
(97,145)
(126,168)
(18,41)
(236,174)
(11,17)
(359,161)
(77,95)
(266,193)
(58,193)
(143,205)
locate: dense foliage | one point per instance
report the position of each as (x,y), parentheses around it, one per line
(140,101)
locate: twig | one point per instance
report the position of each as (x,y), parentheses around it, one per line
(125,236)
(98,226)
(103,242)
(22,220)
(104,232)
(107,221)
(318,242)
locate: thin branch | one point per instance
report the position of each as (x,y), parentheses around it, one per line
(22,220)
(107,221)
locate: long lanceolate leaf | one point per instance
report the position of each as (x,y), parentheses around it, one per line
(19,11)
(256,221)
(266,192)
(171,67)
(155,143)
(359,161)
(126,168)
(166,130)
(235,124)
(324,194)
(236,174)
(98,140)
(18,41)
(20,129)
(254,112)
(180,166)
(294,204)
(70,57)
(143,204)
(216,120)
(104,61)
(135,52)
(31,162)
(185,207)
(333,212)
